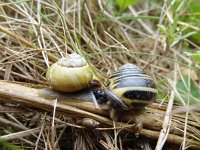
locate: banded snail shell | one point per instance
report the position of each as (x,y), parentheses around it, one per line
(132,87)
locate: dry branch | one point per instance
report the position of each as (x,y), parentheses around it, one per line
(16,93)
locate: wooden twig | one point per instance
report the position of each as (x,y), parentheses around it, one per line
(21,134)
(17,93)
(12,124)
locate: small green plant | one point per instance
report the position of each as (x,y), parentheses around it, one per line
(8,146)
(174,30)
(189,14)
(188,89)
(123,4)
(195,56)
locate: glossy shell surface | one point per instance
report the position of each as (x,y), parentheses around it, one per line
(132,86)
(69,74)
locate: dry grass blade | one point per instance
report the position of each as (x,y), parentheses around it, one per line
(15,36)
(35,34)
(22,95)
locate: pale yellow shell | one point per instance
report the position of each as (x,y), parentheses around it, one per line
(69,74)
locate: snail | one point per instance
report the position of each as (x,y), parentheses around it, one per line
(69,74)
(129,88)
(70,78)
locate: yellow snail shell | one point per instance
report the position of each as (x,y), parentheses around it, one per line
(69,74)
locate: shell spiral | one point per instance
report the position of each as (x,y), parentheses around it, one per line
(133,86)
(69,74)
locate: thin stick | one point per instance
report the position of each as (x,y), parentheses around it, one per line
(15,36)
(12,124)
(168,117)
(21,134)
(29,96)
(53,134)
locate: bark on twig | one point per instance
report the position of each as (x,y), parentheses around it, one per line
(16,93)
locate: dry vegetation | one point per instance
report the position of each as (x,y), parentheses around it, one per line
(34,34)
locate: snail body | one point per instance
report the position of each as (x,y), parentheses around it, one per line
(69,74)
(131,88)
